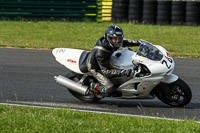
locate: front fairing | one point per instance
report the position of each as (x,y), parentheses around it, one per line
(155,57)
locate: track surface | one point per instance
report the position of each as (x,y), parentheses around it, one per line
(27,77)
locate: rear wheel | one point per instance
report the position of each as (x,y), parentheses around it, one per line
(176,94)
(88,98)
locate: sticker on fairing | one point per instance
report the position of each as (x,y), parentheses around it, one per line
(61,50)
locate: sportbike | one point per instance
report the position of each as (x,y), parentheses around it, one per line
(154,79)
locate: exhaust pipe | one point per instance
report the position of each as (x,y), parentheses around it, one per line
(70,84)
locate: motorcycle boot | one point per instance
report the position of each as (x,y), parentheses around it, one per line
(98,89)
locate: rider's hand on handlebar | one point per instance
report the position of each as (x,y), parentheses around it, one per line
(127,73)
(137,70)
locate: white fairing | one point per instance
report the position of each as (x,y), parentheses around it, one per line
(165,66)
(68,57)
(155,58)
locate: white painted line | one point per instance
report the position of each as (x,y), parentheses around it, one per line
(98,112)
(140,116)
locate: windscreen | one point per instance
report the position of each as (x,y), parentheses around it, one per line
(149,51)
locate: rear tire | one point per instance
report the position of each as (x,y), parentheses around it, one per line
(88,98)
(176,94)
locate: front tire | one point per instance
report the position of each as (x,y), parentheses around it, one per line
(176,94)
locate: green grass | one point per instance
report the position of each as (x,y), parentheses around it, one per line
(178,40)
(37,120)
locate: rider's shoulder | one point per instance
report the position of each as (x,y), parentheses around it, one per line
(102,42)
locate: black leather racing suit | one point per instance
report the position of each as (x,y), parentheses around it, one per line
(98,63)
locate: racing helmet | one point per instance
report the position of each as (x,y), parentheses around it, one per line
(114,35)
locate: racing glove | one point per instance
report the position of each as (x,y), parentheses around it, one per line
(111,73)
(127,73)
(130,43)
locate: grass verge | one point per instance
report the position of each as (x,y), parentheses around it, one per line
(178,40)
(14,119)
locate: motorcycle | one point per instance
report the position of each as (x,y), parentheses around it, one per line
(155,78)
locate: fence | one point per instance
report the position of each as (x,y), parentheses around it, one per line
(68,10)
(135,11)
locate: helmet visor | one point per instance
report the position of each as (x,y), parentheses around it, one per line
(116,41)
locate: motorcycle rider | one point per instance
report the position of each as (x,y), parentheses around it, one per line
(98,64)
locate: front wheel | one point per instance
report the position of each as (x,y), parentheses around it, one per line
(176,94)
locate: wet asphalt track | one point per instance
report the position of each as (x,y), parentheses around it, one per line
(27,77)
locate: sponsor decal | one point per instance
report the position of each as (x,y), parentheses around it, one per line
(168,55)
(70,60)
(61,50)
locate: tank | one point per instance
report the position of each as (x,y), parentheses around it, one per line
(122,59)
